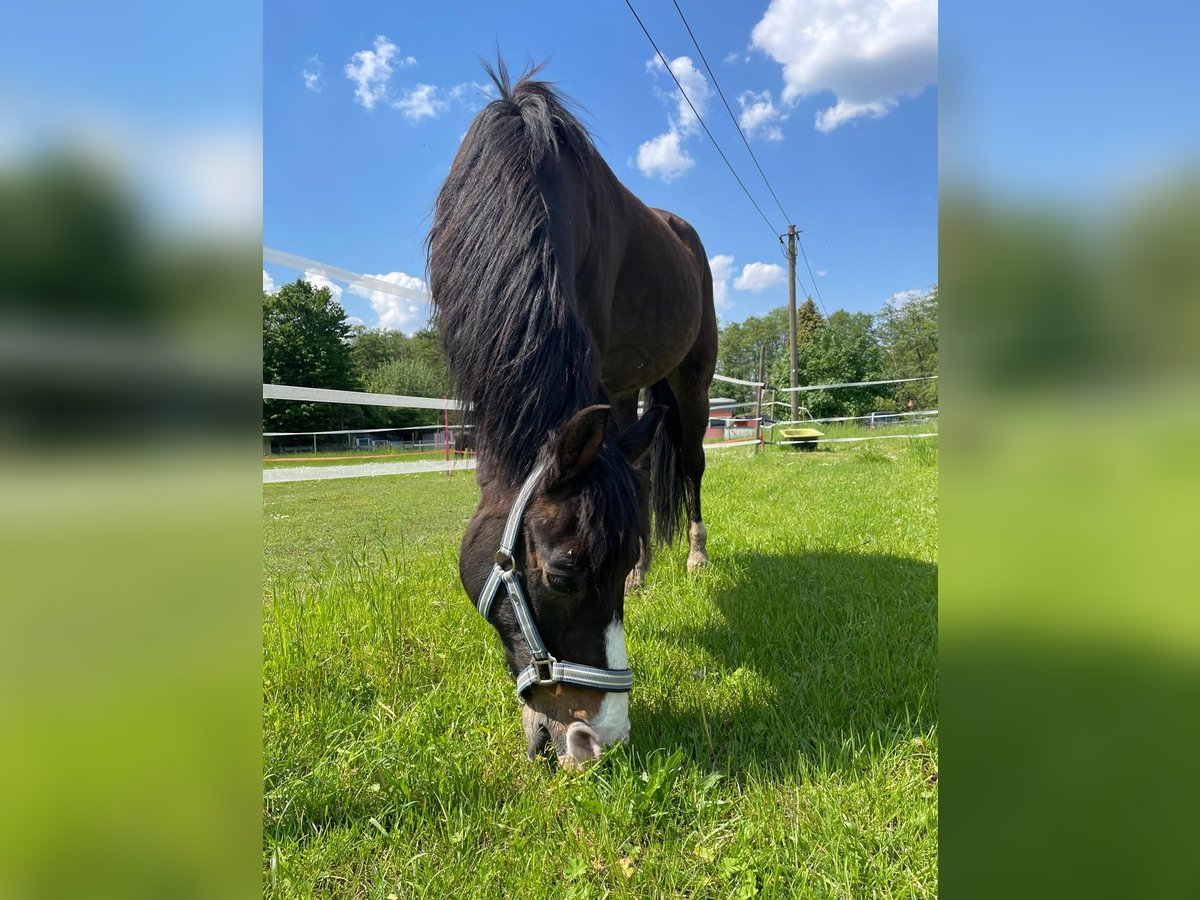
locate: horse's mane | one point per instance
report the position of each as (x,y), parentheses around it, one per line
(516,349)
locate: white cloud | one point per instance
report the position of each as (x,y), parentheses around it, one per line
(421,102)
(394,312)
(695,86)
(821,273)
(900,298)
(843,112)
(318,280)
(731,57)
(313,74)
(722,269)
(757,277)
(663,157)
(370,70)
(268,283)
(354,320)
(760,116)
(868,53)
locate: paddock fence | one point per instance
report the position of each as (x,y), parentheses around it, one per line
(728,428)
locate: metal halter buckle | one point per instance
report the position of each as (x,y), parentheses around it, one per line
(504,561)
(544,670)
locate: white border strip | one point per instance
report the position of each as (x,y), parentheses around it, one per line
(325,395)
(821,387)
(367,282)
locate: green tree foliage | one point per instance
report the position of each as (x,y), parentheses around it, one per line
(846,349)
(737,347)
(371,348)
(737,350)
(808,322)
(391,362)
(305,343)
(908,329)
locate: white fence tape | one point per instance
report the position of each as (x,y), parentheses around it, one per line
(325,395)
(367,282)
(739,381)
(438,427)
(822,387)
(929,413)
(723,444)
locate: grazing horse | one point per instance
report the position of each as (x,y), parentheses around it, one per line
(558,296)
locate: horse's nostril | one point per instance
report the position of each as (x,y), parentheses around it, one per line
(537,735)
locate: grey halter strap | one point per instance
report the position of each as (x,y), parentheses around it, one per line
(544,669)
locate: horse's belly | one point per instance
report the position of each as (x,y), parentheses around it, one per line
(629,365)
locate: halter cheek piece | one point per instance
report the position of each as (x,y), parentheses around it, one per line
(543,669)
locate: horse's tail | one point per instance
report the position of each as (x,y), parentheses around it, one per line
(505,313)
(666,473)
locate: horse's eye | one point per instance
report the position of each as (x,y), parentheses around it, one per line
(565,573)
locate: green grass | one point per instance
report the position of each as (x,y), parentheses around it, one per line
(784,737)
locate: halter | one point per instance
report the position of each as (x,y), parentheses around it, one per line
(544,669)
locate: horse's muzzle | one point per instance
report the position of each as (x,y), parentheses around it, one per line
(576,744)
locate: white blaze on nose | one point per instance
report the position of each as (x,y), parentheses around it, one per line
(612,722)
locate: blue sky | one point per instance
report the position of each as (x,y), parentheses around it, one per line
(364,106)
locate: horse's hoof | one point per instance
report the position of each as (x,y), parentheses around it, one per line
(696,561)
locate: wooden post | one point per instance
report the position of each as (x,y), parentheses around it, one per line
(791,254)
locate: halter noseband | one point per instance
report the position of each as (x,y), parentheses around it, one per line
(544,669)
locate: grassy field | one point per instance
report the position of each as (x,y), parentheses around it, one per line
(784,738)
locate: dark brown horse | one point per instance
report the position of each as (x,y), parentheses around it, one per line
(558,296)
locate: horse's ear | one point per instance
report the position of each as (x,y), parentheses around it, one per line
(636,439)
(579,442)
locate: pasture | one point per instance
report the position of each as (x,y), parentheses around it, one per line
(784,712)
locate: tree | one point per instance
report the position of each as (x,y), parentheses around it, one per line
(391,362)
(305,344)
(737,350)
(371,348)
(908,329)
(845,350)
(808,322)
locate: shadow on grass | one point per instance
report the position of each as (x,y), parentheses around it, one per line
(846,644)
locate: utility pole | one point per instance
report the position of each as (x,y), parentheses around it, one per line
(791,255)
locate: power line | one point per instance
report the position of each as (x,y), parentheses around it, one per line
(749,149)
(683,93)
(812,277)
(728,109)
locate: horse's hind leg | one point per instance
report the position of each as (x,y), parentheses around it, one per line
(690,385)
(636,579)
